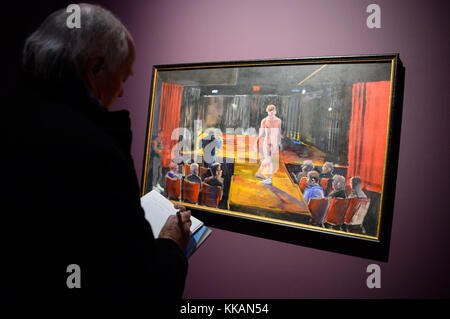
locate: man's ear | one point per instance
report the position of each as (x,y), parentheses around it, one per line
(93,67)
(95,64)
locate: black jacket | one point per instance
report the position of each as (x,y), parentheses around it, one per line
(70,196)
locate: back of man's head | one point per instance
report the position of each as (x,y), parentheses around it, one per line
(307,166)
(55,52)
(215,168)
(329,167)
(194,168)
(356,182)
(313,176)
(339,182)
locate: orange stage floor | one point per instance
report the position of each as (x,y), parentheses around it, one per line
(283,199)
(248,195)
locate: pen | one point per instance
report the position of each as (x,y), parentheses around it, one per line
(179,219)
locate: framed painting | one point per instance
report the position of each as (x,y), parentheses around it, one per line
(297,150)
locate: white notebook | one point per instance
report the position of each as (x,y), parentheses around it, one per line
(157,209)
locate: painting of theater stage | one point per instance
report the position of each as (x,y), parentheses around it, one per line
(299,142)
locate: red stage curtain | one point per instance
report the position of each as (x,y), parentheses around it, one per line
(367,135)
(169,117)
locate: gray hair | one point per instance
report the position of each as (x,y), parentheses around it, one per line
(194,168)
(329,165)
(307,166)
(340,181)
(55,49)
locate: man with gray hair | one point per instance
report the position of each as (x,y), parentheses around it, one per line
(193,177)
(327,170)
(306,167)
(338,187)
(73,199)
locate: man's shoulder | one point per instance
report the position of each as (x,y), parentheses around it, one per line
(213,181)
(338,194)
(193,178)
(314,188)
(59,123)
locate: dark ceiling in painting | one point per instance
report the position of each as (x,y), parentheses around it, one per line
(278,79)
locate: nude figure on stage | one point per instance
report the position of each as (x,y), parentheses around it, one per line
(271,129)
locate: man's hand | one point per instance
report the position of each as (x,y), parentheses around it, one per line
(178,229)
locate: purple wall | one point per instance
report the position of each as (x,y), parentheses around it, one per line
(231,265)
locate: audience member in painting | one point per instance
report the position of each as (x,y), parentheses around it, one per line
(307,166)
(173,171)
(338,187)
(327,170)
(216,178)
(193,177)
(356,188)
(313,189)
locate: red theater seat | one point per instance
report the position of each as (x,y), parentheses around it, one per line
(302,184)
(190,191)
(357,211)
(318,208)
(211,195)
(173,187)
(187,169)
(336,211)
